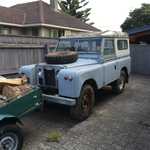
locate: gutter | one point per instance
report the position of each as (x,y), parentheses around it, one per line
(45,25)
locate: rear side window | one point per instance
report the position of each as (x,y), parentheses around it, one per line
(109,47)
(122,44)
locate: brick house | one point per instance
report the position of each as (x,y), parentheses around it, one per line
(40,19)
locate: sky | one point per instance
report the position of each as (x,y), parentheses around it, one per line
(106,14)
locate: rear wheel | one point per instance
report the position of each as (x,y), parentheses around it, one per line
(11,138)
(119,85)
(85,104)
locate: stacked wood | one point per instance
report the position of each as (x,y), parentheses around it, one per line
(15,91)
(11,88)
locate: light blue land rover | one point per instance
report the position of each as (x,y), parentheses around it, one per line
(79,66)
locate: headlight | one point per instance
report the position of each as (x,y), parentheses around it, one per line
(40,73)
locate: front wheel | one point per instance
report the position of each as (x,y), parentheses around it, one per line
(11,138)
(85,103)
(119,85)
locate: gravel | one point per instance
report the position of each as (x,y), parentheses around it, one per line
(119,122)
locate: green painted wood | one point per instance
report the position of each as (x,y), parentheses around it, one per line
(22,105)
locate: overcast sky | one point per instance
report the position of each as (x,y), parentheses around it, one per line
(106,14)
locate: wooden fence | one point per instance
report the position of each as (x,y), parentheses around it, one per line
(14,56)
(16,51)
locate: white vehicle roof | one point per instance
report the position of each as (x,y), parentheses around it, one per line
(117,34)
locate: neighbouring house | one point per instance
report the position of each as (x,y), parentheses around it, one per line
(140,35)
(40,19)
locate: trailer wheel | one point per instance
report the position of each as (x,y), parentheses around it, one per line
(11,138)
(119,85)
(85,104)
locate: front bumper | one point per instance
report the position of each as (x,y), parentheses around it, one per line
(60,100)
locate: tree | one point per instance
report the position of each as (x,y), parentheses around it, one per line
(137,18)
(76,8)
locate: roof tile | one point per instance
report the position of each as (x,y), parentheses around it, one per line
(39,12)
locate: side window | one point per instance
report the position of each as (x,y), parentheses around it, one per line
(96,45)
(122,44)
(76,45)
(109,48)
(84,45)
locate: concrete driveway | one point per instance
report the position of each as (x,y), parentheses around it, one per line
(119,122)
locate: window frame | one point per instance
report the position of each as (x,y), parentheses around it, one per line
(110,56)
(121,49)
(90,42)
(96,40)
(79,42)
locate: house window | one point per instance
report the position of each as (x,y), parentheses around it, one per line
(61,33)
(4,30)
(53,33)
(1,30)
(10,31)
(122,44)
(24,32)
(35,32)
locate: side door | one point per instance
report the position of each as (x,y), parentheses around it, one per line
(110,63)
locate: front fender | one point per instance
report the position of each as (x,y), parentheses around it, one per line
(70,87)
(30,72)
(9,119)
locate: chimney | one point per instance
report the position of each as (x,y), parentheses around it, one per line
(54,4)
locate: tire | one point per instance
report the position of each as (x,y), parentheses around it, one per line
(63,57)
(11,137)
(85,104)
(119,85)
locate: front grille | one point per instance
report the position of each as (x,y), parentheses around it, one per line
(40,81)
(50,79)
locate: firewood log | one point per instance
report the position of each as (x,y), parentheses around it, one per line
(16,81)
(15,91)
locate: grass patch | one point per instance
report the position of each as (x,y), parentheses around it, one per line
(54,136)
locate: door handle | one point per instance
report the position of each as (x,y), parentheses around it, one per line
(115,67)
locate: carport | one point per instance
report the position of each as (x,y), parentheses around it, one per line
(140,35)
(140,49)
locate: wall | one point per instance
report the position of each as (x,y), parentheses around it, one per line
(46,32)
(16,31)
(140,55)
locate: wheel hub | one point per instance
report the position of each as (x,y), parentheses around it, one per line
(9,143)
(121,83)
(86,100)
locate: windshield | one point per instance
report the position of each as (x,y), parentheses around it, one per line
(63,45)
(85,45)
